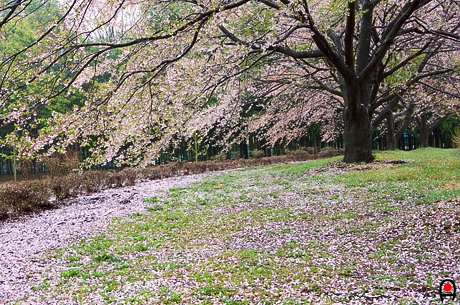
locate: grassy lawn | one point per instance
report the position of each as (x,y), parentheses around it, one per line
(318,232)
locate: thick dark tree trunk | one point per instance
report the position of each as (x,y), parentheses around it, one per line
(358,136)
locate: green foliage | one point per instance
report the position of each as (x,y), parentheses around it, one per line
(257,153)
(108,258)
(196,146)
(62,104)
(18,35)
(70,273)
(404,73)
(153,199)
(456,137)
(23,30)
(449,124)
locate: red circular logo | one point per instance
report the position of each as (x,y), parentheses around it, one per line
(447,287)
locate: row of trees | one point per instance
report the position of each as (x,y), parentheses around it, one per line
(252,148)
(445,136)
(129,79)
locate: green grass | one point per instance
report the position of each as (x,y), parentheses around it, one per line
(281,234)
(430,175)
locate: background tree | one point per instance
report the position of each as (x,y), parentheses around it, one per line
(25,100)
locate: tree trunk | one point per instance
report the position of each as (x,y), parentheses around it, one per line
(405,124)
(244,149)
(437,138)
(423,131)
(358,135)
(391,132)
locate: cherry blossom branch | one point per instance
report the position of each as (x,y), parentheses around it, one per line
(439,90)
(279,49)
(10,60)
(407,60)
(389,35)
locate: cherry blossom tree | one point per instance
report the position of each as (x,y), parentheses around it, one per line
(178,67)
(422,90)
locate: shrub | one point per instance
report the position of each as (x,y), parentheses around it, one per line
(95,181)
(236,155)
(330,152)
(25,168)
(456,137)
(189,168)
(275,159)
(60,165)
(22,197)
(4,212)
(302,154)
(61,189)
(220,157)
(150,173)
(257,153)
(126,177)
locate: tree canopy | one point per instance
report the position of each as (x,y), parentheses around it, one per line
(156,72)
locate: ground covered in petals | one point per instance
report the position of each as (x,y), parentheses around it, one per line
(317,232)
